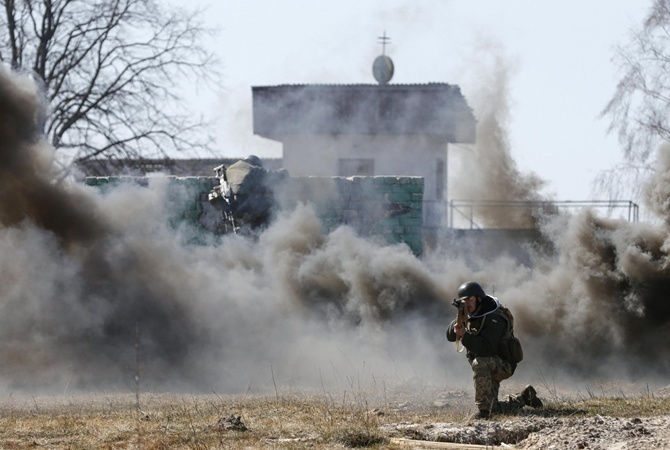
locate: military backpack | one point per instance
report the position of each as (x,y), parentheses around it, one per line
(510,346)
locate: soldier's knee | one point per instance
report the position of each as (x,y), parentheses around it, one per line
(482,364)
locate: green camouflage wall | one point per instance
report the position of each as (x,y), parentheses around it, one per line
(384,206)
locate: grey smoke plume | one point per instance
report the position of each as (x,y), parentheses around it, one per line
(596,305)
(604,302)
(87,279)
(599,305)
(489,172)
(74,288)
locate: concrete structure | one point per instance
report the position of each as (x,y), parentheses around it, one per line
(388,208)
(368,130)
(140,167)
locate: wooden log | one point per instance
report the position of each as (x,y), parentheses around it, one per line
(452,445)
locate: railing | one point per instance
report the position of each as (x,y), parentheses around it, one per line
(465,208)
(434,213)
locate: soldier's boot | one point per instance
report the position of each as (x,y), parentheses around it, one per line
(530,397)
(481,414)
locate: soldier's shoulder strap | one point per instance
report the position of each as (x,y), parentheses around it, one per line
(506,314)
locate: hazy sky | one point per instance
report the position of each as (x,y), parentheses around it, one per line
(560,53)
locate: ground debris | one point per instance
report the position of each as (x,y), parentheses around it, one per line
(602,432)
(443,399)
(308,437)
(479,433)
(664,392)
(400,406)
(594,433)
(231,422)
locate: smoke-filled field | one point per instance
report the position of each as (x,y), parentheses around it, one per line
(99,294)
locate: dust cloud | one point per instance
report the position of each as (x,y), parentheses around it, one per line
(96,289)
(596,303)
(488,171)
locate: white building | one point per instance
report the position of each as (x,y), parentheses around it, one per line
(368,129)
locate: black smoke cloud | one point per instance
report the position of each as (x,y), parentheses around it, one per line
(75,290)
(24,193)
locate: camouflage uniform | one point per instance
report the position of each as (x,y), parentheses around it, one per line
(488,372)
(253,188)
(485,330)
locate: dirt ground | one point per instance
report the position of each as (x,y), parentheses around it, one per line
(601,417)
(641,422)
(532,432)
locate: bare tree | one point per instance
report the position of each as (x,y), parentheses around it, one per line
(639,110)
(110,71)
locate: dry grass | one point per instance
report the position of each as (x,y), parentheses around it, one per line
(295,421)
(624,407)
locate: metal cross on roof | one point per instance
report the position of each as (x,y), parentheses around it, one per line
(384,40)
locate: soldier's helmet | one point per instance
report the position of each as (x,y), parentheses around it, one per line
(471,288)
(254,160)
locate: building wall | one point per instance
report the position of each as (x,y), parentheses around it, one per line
(417,156)
(386,207)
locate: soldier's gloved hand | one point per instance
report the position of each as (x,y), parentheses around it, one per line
(459,329)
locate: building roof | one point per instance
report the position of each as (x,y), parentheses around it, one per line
(433,109)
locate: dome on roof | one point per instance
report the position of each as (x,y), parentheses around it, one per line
(382,69)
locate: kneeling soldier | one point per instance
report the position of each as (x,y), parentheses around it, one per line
(485,333)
